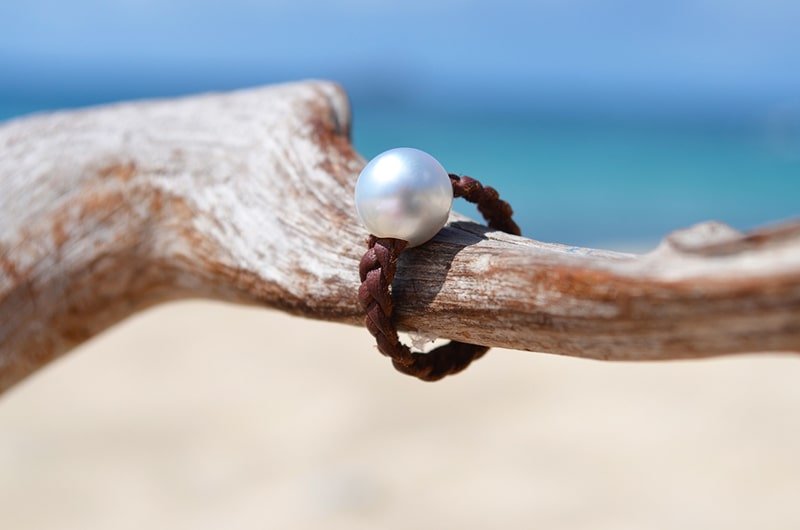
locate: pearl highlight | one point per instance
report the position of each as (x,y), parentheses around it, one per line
(404,193)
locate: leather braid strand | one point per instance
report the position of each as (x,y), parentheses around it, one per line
(377,270)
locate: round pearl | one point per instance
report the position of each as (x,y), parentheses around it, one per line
(404,193)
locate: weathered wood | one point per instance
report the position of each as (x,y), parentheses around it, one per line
(247,197)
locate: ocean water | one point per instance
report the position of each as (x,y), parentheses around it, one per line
(607,181)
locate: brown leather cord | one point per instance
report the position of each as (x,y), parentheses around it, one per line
(377,270)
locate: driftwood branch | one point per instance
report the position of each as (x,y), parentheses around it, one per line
(247,197)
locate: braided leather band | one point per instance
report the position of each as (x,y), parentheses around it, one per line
(377,270)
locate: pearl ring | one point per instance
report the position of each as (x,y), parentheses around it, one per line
(403,197)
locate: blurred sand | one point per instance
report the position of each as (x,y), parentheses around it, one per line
(200,415)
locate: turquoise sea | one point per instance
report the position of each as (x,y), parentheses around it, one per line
(620,183)
(609,181)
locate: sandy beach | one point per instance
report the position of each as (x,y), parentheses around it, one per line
(204,415)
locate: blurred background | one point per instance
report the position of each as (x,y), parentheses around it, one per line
(605,123)
(609,123)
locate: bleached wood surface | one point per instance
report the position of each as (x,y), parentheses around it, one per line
(247,197)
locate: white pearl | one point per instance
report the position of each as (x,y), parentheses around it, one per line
(404,193)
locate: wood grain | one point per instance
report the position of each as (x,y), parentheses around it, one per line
(247,197)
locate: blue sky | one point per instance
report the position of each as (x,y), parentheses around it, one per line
(665,54)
